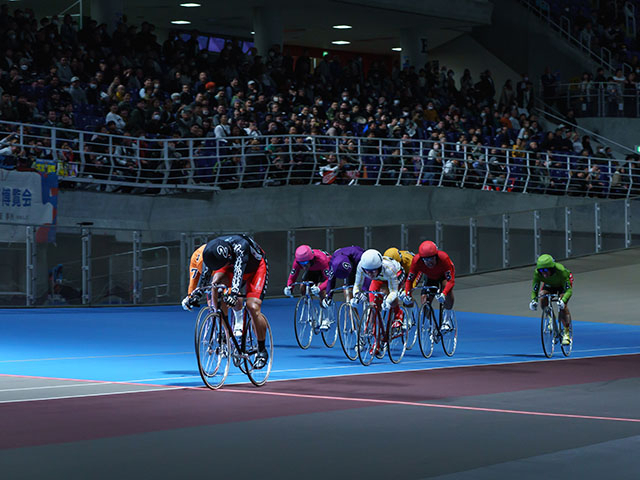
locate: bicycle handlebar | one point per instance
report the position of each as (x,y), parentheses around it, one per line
(306,283)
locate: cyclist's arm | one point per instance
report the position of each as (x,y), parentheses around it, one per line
(568,286)
(413,273)
(293,275)
(450,275)
(241,250)
(392,280)
(535,288)
(330,283)
(194,279)
(357,285)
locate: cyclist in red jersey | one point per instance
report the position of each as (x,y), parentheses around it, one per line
(438,270)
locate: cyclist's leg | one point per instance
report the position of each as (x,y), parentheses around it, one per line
(542,296)
(374,287)
(220,277)
(565,315)
(256,289)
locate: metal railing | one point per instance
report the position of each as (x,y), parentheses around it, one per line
(476,244)
(561,24)
(96,161)
(596,99)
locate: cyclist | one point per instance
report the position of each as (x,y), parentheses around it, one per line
(234,259)
(314,264)
(386,275)
(195,272)
(555,278)
(404,258)
(439,271)
(343,264)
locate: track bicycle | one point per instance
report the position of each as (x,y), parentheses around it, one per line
(431,331)
(348,320)
(412,321)
(216,346)
(551,328)
(307,321)
(376,337)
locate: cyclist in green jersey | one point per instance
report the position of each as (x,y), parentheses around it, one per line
(555,278)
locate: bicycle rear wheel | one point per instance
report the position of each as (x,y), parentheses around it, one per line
(348,320)
(212,351)
(449,334)
(367,341)
(547,331)
(426,330)
(566,349)
(412,325)
(396,336)
(330,335)
(302,322)
(257,376)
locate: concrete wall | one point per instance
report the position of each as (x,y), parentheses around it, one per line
(466,52)
(624,131)
(526,44)
(284,208)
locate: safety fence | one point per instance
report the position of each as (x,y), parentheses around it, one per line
(92,266)
(597,99)
(122,163)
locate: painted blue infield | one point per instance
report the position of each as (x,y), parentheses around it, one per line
(155,345)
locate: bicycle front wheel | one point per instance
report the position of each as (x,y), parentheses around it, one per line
(566,349)
(212,351)
(258,376)
(201,316)
(367,342)
(396,336)
(348,321)
(426,330)
(330,334)
(411,321)
(449,334)
(302,322)
(547,331)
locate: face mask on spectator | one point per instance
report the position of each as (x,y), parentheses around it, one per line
(12,36)
(345,98)
(156,85)
(205,112)
(396,102)
(93,85)
(24,66)
(156,117)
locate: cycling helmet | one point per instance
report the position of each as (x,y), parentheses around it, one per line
(371,260)
(304,254)
(545,261)
(428,249)
(394,254)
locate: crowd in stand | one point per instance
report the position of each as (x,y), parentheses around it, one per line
(435,129)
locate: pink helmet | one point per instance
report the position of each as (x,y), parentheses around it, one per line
(304,253)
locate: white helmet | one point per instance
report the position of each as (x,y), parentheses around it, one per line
(371,260)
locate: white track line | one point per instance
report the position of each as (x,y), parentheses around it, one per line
(94,357)
(157,389)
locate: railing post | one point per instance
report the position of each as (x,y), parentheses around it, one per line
(439,236)
(568,233)
(328,240)
(537,235)
(597,227)
(167,163)
(505,241)
(473,245)
(137,268)
(627,223)
(367,238)
(184,272)
(291,248)
(404,237)
(31,265)
(86,266)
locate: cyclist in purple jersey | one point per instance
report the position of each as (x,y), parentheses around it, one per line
(343,264)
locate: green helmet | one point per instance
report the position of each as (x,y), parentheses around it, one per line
(545,261)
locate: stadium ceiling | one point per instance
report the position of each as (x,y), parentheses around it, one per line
(376,23)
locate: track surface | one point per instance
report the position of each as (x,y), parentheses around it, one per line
(115,392)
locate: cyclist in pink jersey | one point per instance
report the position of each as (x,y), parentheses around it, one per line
(314,265)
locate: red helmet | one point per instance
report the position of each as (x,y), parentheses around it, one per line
(428,249)
(304,253)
